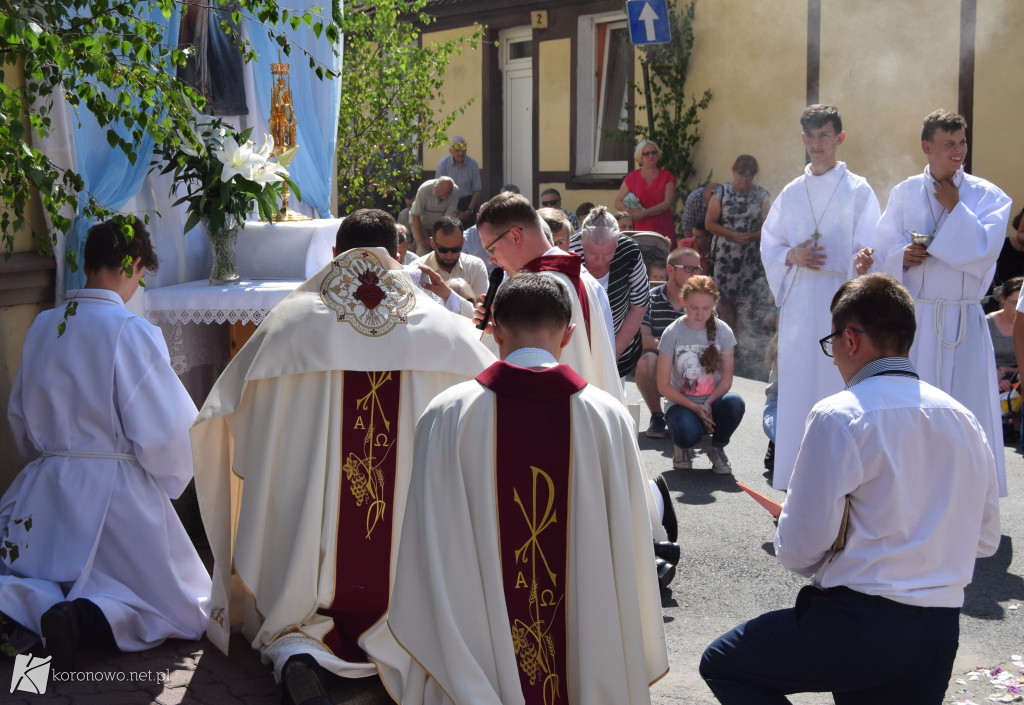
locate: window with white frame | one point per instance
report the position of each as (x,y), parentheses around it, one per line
(602,90)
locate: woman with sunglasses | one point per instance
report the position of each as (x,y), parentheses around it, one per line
(653,190)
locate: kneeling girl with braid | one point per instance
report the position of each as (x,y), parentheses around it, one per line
(695,365)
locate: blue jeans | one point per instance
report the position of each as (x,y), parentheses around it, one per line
(861,648)
(687,429)
(769,414)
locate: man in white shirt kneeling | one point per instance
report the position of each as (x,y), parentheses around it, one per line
(893,495)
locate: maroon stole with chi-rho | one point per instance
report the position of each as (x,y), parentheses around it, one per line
(570,264)
(533,480)
(369,450)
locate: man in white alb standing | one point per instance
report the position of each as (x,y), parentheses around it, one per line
(960,220)
(817,235)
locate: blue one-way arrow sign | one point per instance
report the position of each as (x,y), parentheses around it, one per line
(648,21)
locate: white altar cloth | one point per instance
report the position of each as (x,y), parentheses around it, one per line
(287,250)
(249,301)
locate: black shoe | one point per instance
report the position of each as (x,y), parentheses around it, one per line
(667,550)
(657,427)
(769,457)
(302,682)
(666,571)
(669,521)
(61,631)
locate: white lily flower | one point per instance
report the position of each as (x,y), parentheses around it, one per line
(269,173)
(267,148)
(237,159)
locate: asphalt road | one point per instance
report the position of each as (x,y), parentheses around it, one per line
(726,575)
(727,571)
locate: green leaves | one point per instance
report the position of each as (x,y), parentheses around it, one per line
(107,56)
(223,174)
(390,86)
(676,114)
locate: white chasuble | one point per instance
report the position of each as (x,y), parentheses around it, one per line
(486,609)
(303,451)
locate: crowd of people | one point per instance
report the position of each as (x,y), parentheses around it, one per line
(421,467)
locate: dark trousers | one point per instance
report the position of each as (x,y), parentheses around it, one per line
(863,649)
(463,204)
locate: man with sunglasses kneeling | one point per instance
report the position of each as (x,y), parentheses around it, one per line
(447,258)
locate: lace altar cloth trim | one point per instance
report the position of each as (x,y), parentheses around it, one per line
(193,345)
(209,316)
(198,302)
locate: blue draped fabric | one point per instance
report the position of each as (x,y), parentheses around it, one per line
(316,104)
(105,170)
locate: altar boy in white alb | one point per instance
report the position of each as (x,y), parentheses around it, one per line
(103,422)
(960,221)
(819,232)
(524,573)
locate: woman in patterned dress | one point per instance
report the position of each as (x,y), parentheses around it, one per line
(734,218)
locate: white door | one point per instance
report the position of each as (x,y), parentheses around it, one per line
(516,52)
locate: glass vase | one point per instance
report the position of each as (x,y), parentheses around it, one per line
(223,271)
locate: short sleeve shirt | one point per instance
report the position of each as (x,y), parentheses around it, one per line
(660,314)
(685,346)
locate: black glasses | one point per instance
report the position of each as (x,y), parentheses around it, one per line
(550,204)
(446,250)
(489,249)
(688,268)
(826,342)
(650,153)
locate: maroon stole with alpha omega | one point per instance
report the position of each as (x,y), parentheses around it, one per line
(533,480)
(370,404)
(570,265)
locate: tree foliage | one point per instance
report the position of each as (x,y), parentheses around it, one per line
(108,56)
(675,113)
(390,86)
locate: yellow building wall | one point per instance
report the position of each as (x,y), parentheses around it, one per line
(463,82)
(886,66)
(555,92)
(998,130)
(14,325)
(753,57)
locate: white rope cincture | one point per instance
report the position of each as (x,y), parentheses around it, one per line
(939,323)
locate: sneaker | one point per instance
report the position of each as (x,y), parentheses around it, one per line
(682,459)
(657,427)
(769,457)
(719,461)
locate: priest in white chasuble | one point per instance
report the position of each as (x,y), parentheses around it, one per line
(941,234)
(524,574)
(819,232)
(303,451)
